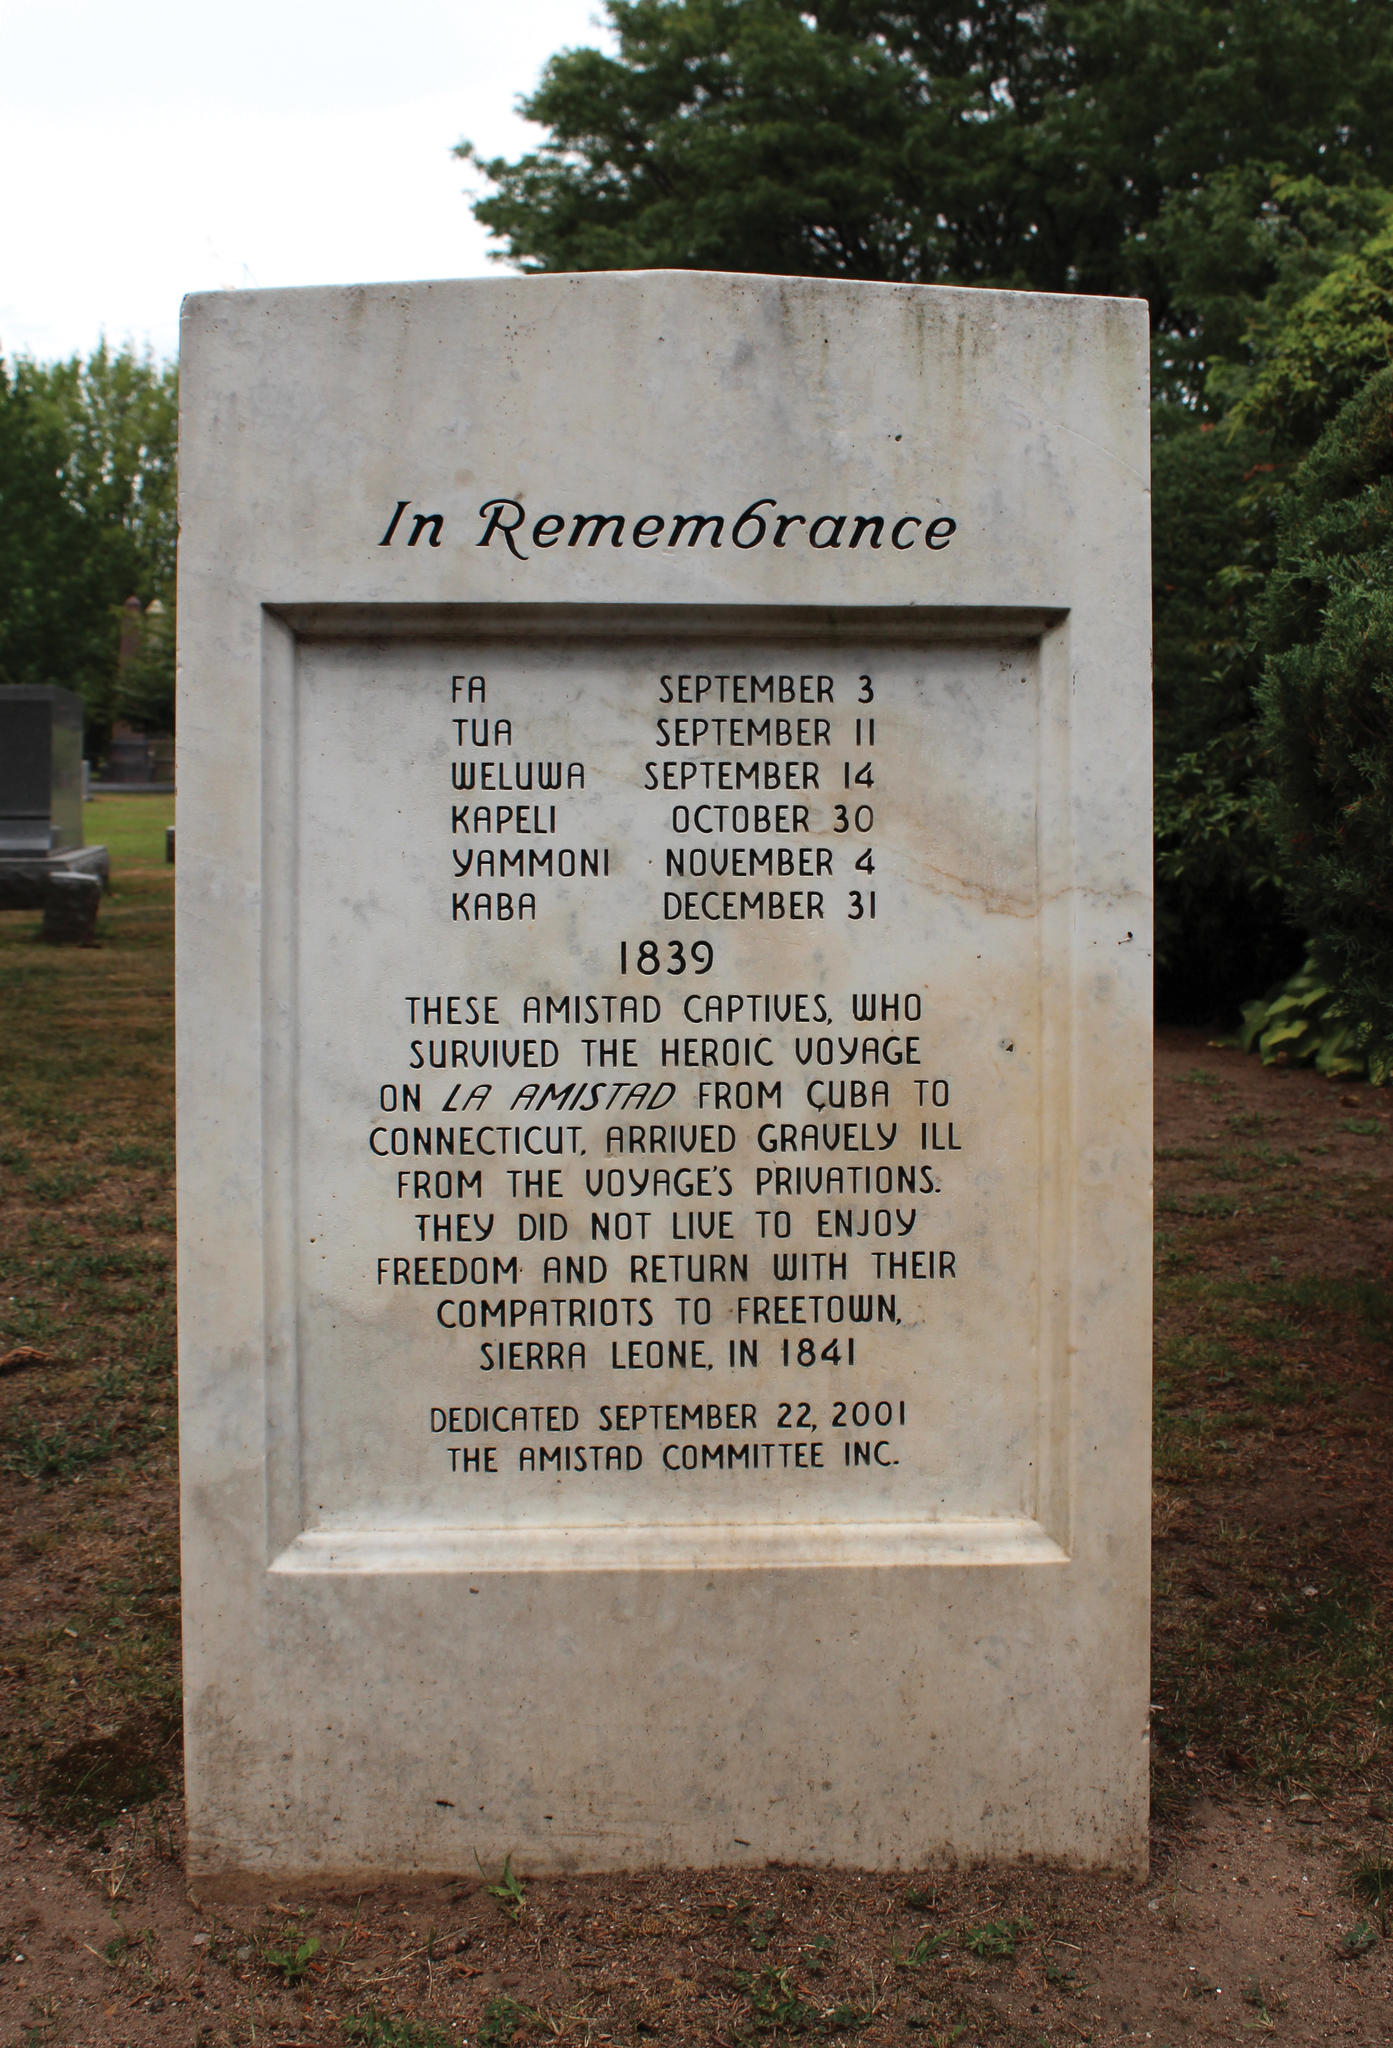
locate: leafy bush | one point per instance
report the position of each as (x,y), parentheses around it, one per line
(1337,337)
(1327,706)
(1301,1023)
(1220,909)
(1221,925)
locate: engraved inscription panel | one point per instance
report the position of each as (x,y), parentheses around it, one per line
(668,1127)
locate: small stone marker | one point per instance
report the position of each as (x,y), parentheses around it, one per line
(71,903)
(664,1076)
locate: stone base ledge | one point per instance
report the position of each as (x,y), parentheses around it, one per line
(22,877)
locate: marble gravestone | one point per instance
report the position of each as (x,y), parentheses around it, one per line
(664,1076)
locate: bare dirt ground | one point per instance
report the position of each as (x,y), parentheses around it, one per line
(1264,1909)
(1238,1932)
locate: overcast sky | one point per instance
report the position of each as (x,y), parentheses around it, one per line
(154,147)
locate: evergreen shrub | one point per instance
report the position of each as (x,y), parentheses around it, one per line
(1327,705)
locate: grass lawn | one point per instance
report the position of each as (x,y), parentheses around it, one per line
(132,827)
(88,1675)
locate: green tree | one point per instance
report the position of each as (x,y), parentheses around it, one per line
(1293,303)
(119,417)
(1239,251)
(1327,703)
(955,141)
(54,617)
(1337,336)
(89,492)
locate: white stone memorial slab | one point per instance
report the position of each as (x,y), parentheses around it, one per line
(664,1076)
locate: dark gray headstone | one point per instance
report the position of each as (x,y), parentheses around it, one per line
(128,757)
(70,909)
(26,745)
(40,771)
(41,794)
